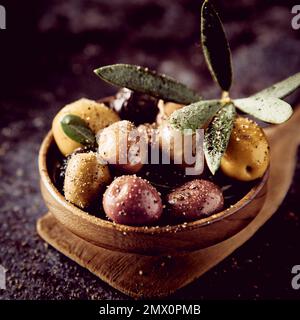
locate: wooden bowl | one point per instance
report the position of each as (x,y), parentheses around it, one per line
(186,237)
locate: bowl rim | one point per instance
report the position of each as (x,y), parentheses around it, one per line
(44,175)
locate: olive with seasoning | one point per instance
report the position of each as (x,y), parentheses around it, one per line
(194,200)
(131,200)
(247,155)
(85,178)
(183,148)
(166,109)
(136,107)
(121,145)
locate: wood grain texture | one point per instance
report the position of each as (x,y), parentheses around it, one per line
(155,276)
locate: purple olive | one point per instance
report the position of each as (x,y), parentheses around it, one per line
(132,200)
(195,199)
(136,107)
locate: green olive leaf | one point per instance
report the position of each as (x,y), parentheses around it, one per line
(195,115)
(281,89)
(215,46)
(143,80)
(217,136)
(78,130)
(267,109)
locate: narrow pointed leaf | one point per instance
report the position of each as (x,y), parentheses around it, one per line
(77,129)
(215,46)
(267,109)
(281,89)
(217,136)
(195,115)
(143,80)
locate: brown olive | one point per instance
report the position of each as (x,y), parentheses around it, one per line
(136,107)
(119,146)
(195,199)
(132,200)
(183,148)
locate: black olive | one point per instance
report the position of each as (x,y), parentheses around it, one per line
(136,107)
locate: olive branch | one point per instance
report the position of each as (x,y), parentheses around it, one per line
(216,115)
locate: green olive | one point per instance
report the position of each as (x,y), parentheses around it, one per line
(85,178)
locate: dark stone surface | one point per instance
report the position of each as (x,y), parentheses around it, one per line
(47,56)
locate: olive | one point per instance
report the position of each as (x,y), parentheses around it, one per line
(247,155)
(166,109)
(119,146)
(184,148)
(85,178)
(194,200)
(95,114)
(132,200)
(136,107)
(149,129)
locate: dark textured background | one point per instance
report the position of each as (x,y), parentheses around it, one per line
(47,55)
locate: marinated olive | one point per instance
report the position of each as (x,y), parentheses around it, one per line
(183,148)
(132,200)
(166,109)
(96,115)
(120,145)
(136,107)
(85,177)
(195,199)
(247,155)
